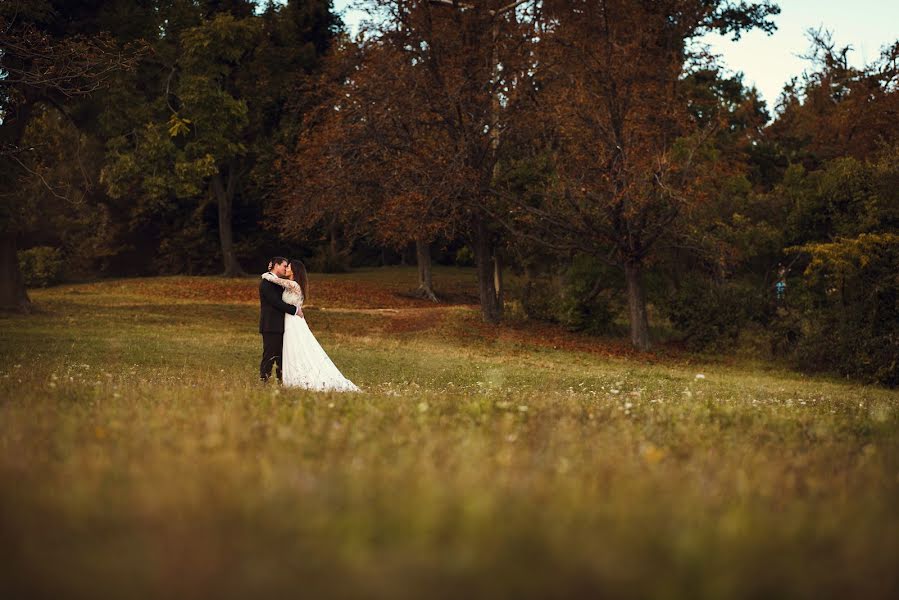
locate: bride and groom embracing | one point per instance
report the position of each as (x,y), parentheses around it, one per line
(287,340)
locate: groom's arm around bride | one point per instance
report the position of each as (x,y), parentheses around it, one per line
(270,294)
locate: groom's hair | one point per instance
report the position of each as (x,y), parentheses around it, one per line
(276,260)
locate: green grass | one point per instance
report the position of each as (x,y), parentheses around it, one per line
(140,458)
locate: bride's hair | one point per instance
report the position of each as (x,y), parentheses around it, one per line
(300,276)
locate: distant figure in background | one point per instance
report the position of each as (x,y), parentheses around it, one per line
(780,288)
(304,362)
(272,310)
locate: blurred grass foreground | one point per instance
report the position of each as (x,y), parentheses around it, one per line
(141,459)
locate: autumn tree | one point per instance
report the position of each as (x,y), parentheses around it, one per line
(371,162)
(626,150)
(450,79)
(317,188)
(835,109)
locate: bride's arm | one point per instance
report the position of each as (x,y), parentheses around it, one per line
(274,279)
(284,283)
(289,284)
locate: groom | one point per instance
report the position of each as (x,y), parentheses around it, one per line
(271,319)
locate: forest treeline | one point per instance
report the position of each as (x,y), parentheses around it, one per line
(595,148)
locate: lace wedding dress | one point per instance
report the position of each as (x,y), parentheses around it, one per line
(305,363)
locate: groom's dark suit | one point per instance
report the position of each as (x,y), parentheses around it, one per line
(271,325)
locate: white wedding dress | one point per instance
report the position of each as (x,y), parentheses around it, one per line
(305,363)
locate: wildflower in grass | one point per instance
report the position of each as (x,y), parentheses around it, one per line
(653,454)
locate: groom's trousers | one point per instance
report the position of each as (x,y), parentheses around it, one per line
(271,354)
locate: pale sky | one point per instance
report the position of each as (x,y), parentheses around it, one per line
(768,62)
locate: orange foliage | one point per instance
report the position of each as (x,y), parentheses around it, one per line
(838,109)
(331,292)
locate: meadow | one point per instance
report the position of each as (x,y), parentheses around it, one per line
(141,458)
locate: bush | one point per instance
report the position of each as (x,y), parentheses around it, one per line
(464,257)
(851,314)
(41,266)
(581,299)
(327,261)
(710,315)
(539,299)
(785,331)
(586,296)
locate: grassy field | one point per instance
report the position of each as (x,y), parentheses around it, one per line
(140,458)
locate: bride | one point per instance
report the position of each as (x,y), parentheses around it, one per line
(305,363)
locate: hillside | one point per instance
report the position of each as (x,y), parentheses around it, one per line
(141,458)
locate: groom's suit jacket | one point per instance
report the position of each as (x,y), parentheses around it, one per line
(271,308)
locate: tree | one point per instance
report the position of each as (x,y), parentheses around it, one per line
(223,100)
(625,147)
(45,62)
(835,109)
(200,149)
(439,83)
(370,161)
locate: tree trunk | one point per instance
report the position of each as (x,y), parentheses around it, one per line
(224,195)
(423,258)
(498,278)
(636,302)
(408,254)
(491,309)
(337,252)
(12,287)
(527,290)
(334,242)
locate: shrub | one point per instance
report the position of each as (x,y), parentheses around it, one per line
(325,260)
(464,257)
(784,331)
(581,299)
(585,302)
(710,315)
(851,316)
(41,266)
(539,299)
